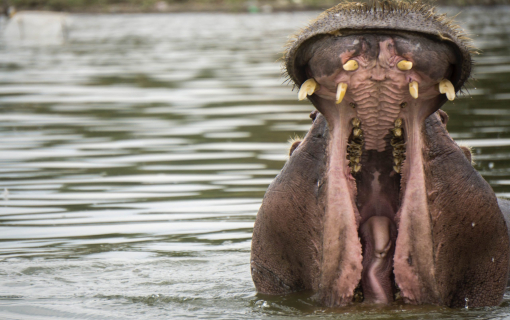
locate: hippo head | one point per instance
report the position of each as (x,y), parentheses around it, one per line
(378,203)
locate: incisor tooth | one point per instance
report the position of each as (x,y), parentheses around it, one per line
(445,86)
(307,88)
(351,65)
(413,89)
(405,65)
(340,92)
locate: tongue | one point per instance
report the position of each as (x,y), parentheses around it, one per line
(378,240)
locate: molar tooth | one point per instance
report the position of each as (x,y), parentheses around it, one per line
(340,92)
(397,169)
(398,123)
(397,161)
(405,65)
(445,86)
(357,132)
(307,88)
(355,122)
(351,65)
(356,168)
(413,89)
(397,132)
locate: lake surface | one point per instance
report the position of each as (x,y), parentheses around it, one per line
(134,158)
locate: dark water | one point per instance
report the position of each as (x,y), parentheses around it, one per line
(134,157)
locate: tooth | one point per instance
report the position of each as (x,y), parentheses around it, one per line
(355,122)
(397,169)
(307,88)
(356,168)
(413,89)
(405,65)
(351,65)
(445,86)
(397,161)
(398,122)
(340,92)
(397,132)
(355,159)
(357,132)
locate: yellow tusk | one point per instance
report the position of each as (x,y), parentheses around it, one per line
(340,92)
(404,65)
(413,89)
(308,88)
(445,86)
(351,65)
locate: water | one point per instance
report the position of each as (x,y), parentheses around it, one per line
(135,156)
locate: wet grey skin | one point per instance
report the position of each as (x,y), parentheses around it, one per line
(377,203)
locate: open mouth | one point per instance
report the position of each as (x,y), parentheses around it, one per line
(378,201)
(375,90)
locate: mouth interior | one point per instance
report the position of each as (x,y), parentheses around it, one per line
(376,122)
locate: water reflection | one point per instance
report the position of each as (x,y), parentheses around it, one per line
(135,156)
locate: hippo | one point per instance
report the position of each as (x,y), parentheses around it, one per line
(377,203)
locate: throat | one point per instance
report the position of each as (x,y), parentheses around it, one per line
(377,201)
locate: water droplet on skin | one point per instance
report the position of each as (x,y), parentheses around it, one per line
(491,165)
(473,224)
(492,259)
(466,306)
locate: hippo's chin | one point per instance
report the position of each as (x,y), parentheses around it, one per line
(378,199)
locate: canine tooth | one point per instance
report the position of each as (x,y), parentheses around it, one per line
(445,86)
(398,122)
(351,65)
(413,89)
(340,92)
(307,88)
(405,65)
(355,122)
